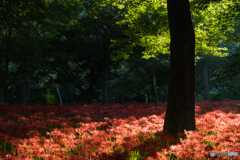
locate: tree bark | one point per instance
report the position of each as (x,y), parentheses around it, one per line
(180,113)
(5,84)
(70,93)
(122,99)
(205,80)
(59,95)
(7,59)
(105,76)
(25,93)
(76,98)
(154,83)
(146,98)
(90,90)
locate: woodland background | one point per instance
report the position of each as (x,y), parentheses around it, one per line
(64,52)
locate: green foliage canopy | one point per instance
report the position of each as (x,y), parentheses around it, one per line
(148,27)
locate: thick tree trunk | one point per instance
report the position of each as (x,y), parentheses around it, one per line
(205,80)
(154,83)
(180,114)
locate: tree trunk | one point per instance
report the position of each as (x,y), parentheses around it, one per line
(122,98)
(5,78)
(5,72)
(105,69)
(154,83)
(180,113)
(146,98)
(90,90)
(25,93)
(59,95)
(70,93)
(76,98)
(205,80)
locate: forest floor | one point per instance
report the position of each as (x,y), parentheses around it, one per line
(116,131)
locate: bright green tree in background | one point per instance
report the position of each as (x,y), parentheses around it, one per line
(148,27)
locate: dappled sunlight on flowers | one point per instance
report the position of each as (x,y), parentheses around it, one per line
(115,130)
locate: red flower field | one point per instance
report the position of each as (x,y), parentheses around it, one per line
(115,131)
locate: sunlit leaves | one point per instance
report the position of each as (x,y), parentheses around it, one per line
(143,19)
(210,26)
(147,22)
(155,45)
(120,6)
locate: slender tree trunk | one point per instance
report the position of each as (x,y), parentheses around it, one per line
(5,85)
(5,76)
(70,93)
(122,98)
(76,98)
(205,80)
(59,95)
(89,101)
(86,94)
(28,95)
(105,80)
(180,114)
(25,93)
(154,83)
(146,98)
(90,90)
